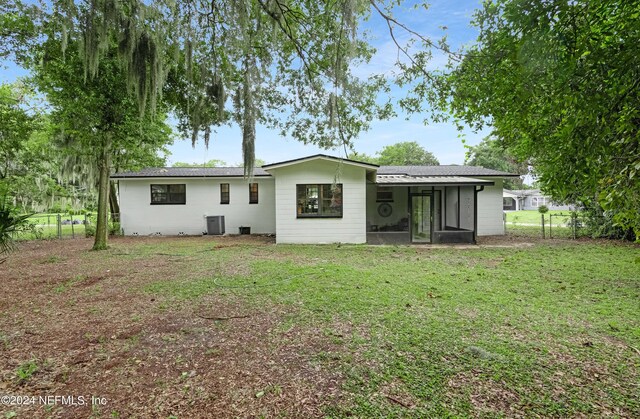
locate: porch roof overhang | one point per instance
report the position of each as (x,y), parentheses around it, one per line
(405,180)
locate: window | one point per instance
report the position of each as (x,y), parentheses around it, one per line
(224,193)
(322,200)
(537,201)
(253,193)
(384,194)
(168,194)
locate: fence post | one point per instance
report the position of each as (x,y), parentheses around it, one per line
(574,219)
(550,226)
(504,221)
(59,225)
(542,217)
(73,234)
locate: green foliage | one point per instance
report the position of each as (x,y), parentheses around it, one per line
(10,224)
(407,153)
(600,223)
(115,229)
(257,163)
(491,155)
(108,131)
(559,83)
(89,230)
(25,371)
(543,209)
(246,62)
(16,126)
(362,157)
(209,163)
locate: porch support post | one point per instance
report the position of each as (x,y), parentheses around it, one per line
(458,220)
(475,211)
(445,208)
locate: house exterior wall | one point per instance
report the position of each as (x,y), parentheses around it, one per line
(490,220)
(529,204)
(276,211)
(202,198)
(351,228)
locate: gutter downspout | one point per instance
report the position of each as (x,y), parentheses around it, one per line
(475,212)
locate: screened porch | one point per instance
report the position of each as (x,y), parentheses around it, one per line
(421,210)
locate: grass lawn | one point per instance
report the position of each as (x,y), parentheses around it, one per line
(528,223)
(238,327)
(51,232)
(47,226)
(560,218)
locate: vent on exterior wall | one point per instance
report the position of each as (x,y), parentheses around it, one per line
(384,194)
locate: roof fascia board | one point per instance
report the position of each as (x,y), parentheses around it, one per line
(325,157)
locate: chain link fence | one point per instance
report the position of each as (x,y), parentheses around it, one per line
(555,225)
(65,226)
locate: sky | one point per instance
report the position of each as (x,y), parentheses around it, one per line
(441,139)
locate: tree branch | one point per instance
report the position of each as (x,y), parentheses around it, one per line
(390,19)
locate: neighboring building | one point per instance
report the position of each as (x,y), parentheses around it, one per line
(528,199)
(318,199)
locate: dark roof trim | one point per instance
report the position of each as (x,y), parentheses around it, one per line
(444,170)
(189,172)
(485,183)
(316,156)
(134,176)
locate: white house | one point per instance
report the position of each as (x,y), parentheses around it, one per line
(316,199)
(529,199)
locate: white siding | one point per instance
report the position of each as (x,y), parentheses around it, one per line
(348,229)
(490,210)
(202,198)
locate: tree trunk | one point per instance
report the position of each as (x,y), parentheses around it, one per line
(114,205)
(104,166)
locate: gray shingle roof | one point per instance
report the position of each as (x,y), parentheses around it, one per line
(190,172)
(443,170)
(429,180)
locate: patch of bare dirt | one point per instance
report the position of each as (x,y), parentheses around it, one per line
(84,320)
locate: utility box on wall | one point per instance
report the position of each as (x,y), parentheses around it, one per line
(215,225)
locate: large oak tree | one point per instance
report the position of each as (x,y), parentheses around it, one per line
(284,64)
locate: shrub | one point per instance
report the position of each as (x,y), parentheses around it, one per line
(600,223)
(10,224)
(114,229)
(89,230)
(543,209)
